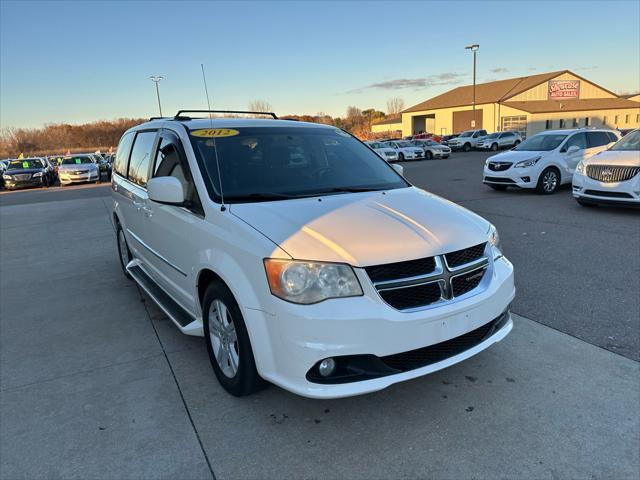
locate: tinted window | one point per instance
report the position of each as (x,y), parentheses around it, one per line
(598,139)
(171,162)
(76,160)
(122,154)
(267,163)
(579,140)
(140,158)
(612,136)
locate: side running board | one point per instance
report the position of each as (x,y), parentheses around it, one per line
(178,315)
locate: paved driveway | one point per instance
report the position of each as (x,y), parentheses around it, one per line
(96,383)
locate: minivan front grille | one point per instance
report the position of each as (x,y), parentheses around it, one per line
(611,173)
(419,283)
(466,255)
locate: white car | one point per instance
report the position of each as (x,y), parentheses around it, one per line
(329,276)
(405,150)
(546,160)
(78,169)
(468,140)
(432,149)
(387,153)
(499,140)
(611,176)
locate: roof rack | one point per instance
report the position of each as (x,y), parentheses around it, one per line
(179,115)
(157,118)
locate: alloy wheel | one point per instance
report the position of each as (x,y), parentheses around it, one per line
(550,181)
(224,339)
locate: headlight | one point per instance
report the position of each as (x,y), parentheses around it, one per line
(494,241)
(310,282)
(37,174)
(527,163)
(7,177)
(580,167)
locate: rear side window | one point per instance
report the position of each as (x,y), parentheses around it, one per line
(140,158)
(598,139)
(122,154)
(580,140)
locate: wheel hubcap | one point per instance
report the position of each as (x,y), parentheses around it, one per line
(124,251)
(224,340)
(550,181)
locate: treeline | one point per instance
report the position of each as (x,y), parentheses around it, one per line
(60,137)
(102,135)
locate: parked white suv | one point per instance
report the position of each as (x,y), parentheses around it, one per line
(546,160)
(611,176)
(302,257)
(405,150)
(499,140)
(467,140)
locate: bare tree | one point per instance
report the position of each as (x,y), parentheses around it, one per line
(395,105)
(353,113)
(260,106)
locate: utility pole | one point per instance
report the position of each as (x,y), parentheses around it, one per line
(156,79)
(474,48)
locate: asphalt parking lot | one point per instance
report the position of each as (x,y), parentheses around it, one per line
(95,382)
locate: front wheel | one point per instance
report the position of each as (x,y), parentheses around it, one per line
(548,182)
(228,342)
(494,147)
(428,155)
(516,143)
(467,147)
(401,157)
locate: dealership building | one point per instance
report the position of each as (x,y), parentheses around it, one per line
(526,104)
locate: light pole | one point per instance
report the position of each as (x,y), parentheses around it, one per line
(156,79)
(474,48)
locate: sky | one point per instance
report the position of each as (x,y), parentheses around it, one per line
(81,61)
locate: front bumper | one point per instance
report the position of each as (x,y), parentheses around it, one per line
(69,178)
(622,193)
(441,153)
(513,177)
(16,184)
(290,341)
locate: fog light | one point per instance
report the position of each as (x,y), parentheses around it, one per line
(327,367)
(526,179)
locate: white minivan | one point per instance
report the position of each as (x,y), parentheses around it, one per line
(546,160)
(302,257)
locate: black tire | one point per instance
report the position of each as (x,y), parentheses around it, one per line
(500,188)
(517,142)
(546,183)
(466,147)
(586,204)
(400,157)
(245,380)
(494,147)
(428,155)
(122,242)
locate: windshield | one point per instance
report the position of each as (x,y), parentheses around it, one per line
(630,142)
(404,144)
(76,160)
(493,135)
(466,134)
(267,163)
(541,143)
(377,145)
(26,164)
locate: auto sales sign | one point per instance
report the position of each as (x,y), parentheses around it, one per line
(564,89)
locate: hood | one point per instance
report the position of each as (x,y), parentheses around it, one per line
(364,229)
(20,171)
(514,156)
(80,166)
(615,157)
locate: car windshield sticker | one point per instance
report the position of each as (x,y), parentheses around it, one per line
(215,132)
(25,164)
(78,161)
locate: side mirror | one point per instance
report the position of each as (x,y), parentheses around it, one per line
(398,168)
(573,149)
(166,190)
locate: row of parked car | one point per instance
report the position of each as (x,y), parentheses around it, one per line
(602,166)
(48,171)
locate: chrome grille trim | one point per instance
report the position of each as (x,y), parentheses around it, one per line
(611,173)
